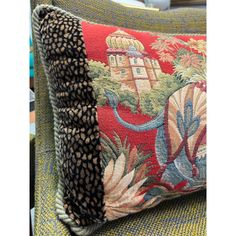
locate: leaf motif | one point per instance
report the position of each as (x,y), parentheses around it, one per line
(180,123)
(132,159)
(128,202)
(188,114)
(135,201)
(108,171)
(117,173)
(124,190)
(151,202)
(131,192)
(140,174)
(156,191)
(194,126)
(121,186)
(161,146)
(112,214)
(183,165)
(105,150)
(201,165)
(107,143)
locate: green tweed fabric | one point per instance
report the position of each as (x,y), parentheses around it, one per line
(182,20)
(184,216)
(32,168)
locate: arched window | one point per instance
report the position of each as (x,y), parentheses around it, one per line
(120,59)
(138,71)
(135,61)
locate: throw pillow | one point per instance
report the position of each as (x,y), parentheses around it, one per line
(129,115)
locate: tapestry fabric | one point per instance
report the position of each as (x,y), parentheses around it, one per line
(102,175)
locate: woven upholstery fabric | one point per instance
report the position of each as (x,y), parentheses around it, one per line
(183,20)
(32,169)
(179,217)
(185,216)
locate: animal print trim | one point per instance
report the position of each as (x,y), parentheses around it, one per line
(75,105)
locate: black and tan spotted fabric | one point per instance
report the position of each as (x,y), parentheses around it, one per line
(79,145)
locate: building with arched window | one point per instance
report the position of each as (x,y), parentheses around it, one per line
(130,63)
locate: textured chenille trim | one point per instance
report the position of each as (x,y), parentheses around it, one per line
(79,199)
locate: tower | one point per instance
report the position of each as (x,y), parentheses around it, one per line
(130,64)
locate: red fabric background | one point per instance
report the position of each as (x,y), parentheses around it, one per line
(95,42)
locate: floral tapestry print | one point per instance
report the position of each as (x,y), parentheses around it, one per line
(151,97)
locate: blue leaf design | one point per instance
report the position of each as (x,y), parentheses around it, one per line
(172,175)
(161,147)
(180,123)
(194,126)
(201,165)
(183,165)
(153,193)
(112,98)
(188,114)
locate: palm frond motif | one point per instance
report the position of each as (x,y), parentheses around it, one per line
(126,178)
(135,157)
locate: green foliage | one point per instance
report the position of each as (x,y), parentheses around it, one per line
(101,84)
(102,81)
(152,102)
(98,69)
(128,99)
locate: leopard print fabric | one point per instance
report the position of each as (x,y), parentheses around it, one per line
(75,106)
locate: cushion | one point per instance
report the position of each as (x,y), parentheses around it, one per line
(90,120)
(107,169)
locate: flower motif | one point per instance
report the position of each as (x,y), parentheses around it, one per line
(190,60)
(193,43)
(160,45)
(202,46)
(169,39)
(198,45)
(166,57)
